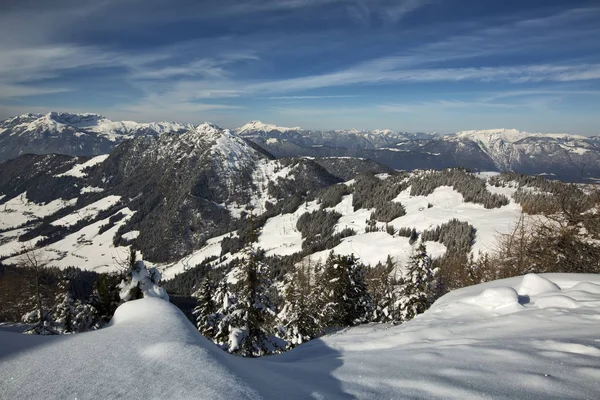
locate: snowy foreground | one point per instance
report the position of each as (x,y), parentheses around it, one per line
(524,337)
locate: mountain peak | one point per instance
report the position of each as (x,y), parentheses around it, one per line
(258,126)
(509,135)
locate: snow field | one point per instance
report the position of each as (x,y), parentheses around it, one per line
(20,210)
(211,249)
(463,347)
(77,170)
(88,211)
(448,204)
(87,249)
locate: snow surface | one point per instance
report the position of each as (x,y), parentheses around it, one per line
(448,204)
(20,210)
(88,211)
(86,249)
(257,126)
(484,341)
(77,170)
(211,249)
(279,236)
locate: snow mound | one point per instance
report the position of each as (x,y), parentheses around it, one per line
(494,299)
(457,349)
(533,284)
(557,301)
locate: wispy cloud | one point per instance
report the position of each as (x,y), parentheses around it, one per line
(384,71)
(311,97)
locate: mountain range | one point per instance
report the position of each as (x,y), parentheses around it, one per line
(563,156)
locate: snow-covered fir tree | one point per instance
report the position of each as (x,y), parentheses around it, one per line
(42,325)
(72,315)
(382,290)
(141,282)
(344,298)
(225,301)
(298,315)
(421,286)
(206,310)
(251,319)
(67,315)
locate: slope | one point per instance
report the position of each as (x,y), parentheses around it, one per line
(536,332)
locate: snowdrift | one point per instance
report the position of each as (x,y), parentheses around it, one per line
(531,337)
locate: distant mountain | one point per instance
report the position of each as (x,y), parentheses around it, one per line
(72,134)
(348,138)
(564,156)
(257,126)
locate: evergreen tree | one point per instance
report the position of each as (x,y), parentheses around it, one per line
(206,317)
(72,315)
(381,288)
(421,286)
(252,319)
(141,282)
(345,300)
(297,315)
(105,298)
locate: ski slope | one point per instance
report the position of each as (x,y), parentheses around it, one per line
(533,337)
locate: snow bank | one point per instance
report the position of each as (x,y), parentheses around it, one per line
(469,345)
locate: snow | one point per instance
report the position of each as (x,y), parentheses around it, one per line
(86,249)
(212,248)
(132,235)
(576,150)
(463,347)
(88,211)
(87,124)
(364,248)
(279,235)
(77,170)
(510,135)
(448,203)
(265,171)
(91,189)
(20,210)
(257,126)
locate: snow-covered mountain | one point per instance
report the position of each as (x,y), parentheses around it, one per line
(343,138)
(538,332)
(170,193)
(72,134)
(511,149)
(564,156)
(258,126)
(567,157)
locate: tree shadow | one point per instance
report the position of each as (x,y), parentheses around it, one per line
(303,373)
(13,343)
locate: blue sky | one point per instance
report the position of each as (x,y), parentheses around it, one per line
(408,65)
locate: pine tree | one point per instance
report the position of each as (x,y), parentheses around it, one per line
(225,302)
(297,315)
(105,298)
(141,282)
(206,317)
(73,316)
(381,289)
(252,320)
(345,300)
(421,287)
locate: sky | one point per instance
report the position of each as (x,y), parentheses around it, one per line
(407,65)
